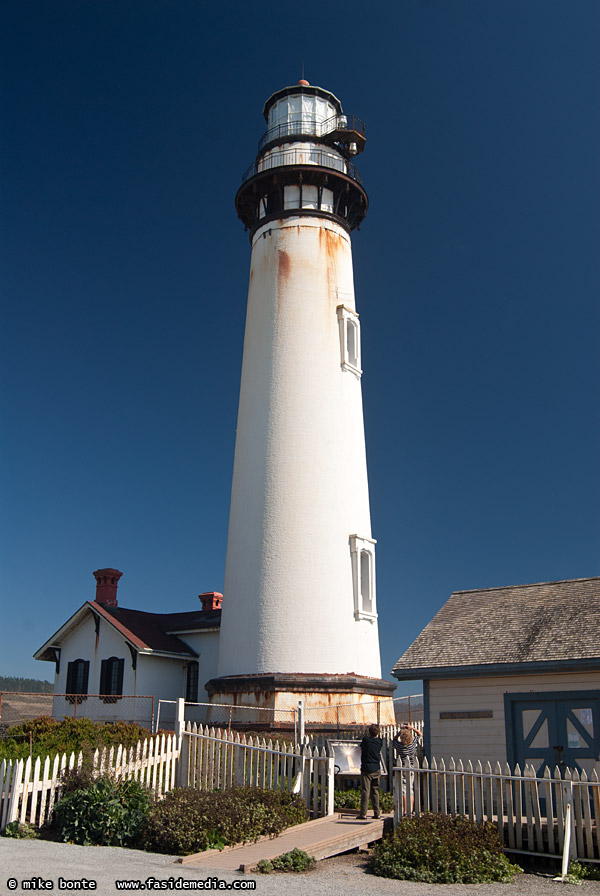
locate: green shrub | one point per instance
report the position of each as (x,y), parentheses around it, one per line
(21,831)
(350,799)
(49,736)
(265,866)
(296,860)
(108,813)
(578,872)
(188,820)
(78,778)
(443,849)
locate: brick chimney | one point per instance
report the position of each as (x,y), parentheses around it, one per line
(107,582)
(211,600)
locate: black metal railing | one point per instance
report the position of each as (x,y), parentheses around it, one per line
(318,157)
(307,126)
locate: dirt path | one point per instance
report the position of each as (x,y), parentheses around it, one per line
(45,862)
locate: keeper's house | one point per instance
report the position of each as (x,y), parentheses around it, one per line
(105,652)
(512,674)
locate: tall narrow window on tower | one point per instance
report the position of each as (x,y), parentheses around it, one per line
(349,339)
(362,552)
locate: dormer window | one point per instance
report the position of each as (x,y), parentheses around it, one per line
(349,327)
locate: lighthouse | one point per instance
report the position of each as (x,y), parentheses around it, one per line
(300,611)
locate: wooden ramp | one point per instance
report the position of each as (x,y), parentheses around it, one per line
(320,838)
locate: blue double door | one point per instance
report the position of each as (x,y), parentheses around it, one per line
(559,728)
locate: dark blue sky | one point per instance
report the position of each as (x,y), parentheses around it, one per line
(126,128)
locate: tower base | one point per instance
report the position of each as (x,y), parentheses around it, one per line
(269,701)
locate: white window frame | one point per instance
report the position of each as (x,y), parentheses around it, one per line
(358,544)
(349,318)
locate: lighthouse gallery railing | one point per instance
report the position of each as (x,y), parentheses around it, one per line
(318,157)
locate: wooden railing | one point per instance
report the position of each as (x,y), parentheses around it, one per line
(530,811)
(216,759)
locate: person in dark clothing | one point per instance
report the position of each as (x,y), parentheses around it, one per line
(370,771)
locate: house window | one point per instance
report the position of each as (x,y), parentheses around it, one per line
(191,685)
(349,327)
(111,679)
(362,552)
(77,679)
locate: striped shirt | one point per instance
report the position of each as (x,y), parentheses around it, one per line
(406,751)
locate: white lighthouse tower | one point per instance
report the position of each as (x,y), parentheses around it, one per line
(299,611)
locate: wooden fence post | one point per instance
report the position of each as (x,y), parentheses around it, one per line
(301,722)
(569,850)
(306,766)
(179,717)
(16,789)
(183,766)
(397,796)
(330,782)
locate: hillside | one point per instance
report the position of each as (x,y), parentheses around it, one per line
(25,685)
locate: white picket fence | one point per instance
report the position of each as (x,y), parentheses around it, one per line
(553,815)
(530,812)
(216,759)
(29,790)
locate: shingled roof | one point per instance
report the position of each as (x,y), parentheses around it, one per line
(156,632)
(549,626)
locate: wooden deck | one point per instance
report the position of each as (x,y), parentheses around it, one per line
(320,838)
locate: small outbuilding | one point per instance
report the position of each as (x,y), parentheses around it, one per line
(512,674)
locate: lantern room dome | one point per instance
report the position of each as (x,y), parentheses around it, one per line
(301,99)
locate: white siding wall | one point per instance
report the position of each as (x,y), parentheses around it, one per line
(161,676)
(82,644)
(485,739)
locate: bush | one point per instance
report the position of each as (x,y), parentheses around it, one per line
(49,736)
(443,849)
(107,813)
(78,778)
(21,831)
(296,860)
(188,821)
(579,872)
(350,799)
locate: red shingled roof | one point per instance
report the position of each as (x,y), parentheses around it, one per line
(155,631)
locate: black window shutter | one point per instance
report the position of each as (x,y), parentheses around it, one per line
(119,688)
(103,688)
(70,676)
(85,677)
